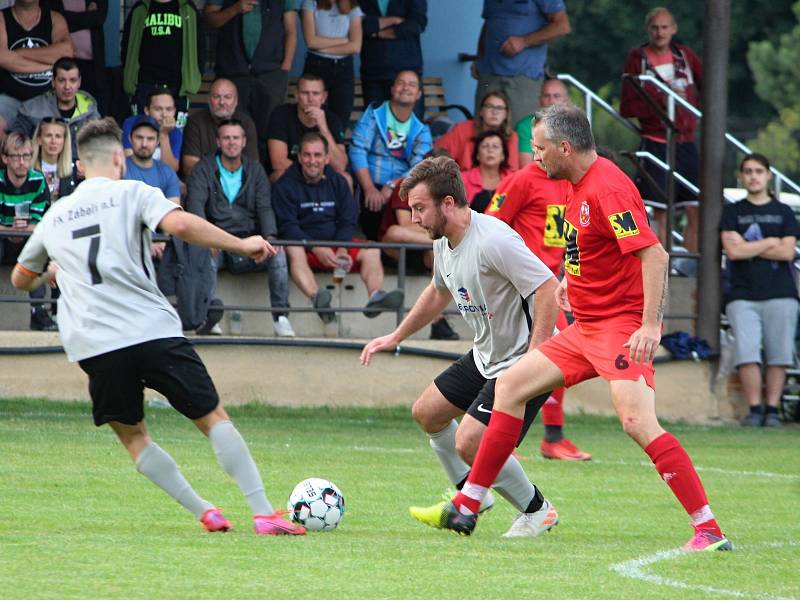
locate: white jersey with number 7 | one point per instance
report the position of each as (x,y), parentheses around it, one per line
(100,236)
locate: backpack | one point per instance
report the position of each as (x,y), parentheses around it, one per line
(186,271)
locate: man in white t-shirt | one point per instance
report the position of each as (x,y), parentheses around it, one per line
(123,332)
(482,264)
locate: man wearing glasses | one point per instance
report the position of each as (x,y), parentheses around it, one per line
(24,198)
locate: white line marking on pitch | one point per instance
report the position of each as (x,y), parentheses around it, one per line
(767,474)
(385,450)
(636,569)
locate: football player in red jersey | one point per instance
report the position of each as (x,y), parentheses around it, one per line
(615,285)
(533,205)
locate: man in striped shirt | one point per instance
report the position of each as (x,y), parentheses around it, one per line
(24,198)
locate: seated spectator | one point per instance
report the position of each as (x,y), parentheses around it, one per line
(313,202)
(161,106)
(141,164)
(759,235)
(387,142)
(200,133)
(490,157)
(65,101)
(161,46)
(24,198)
(52,156)
(232,191)
(290,122)
(554,91)
(492,116)
(85,20)
(33,38)
(397,227)
(332,31)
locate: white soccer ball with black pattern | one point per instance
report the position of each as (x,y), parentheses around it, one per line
(317,504)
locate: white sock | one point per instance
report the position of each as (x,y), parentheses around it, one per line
(160,468)
(444,445)
(513,484)
(234,456)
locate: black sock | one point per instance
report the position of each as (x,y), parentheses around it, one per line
(772,410)
(536,503)
(756,410)
(553,433)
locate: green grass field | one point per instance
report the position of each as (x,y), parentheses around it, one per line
(79,522)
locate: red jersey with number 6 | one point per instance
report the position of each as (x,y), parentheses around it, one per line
(533,205)
(604,224)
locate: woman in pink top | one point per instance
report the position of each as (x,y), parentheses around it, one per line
(490,157)
(494,115)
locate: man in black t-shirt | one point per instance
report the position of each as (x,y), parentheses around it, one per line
(290,122)
(759,235)
(162,47)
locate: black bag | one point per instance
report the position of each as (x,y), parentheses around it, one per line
(238,264)
(186,271)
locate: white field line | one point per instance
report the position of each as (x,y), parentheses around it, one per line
(637,569)
(766,474)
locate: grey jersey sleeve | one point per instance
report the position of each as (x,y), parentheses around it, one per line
(438,278)
(154,206)
(34,255)
(511,258)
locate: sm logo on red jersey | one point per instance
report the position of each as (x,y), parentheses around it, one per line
(623,224)
(572,254)
(554,226)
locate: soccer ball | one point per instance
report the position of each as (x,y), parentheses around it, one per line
(317,504)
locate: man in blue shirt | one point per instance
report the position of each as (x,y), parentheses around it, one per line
(161,106)
(141,166)
(512,50)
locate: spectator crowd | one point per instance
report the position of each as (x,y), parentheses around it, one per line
(253,163)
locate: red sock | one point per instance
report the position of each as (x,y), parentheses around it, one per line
(676,469)
(496,446)
(553,409)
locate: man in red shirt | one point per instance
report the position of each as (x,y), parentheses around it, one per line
(533,205)
(615,285)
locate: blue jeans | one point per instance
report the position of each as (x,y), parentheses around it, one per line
(277,276)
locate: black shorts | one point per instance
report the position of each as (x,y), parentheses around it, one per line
(170,366)
(464,387)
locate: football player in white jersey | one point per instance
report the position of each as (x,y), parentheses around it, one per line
(485,266)
(123,332)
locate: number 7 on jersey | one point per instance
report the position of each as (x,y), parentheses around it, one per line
(92,232)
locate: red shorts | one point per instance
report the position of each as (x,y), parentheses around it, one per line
(585,350)
(318,266)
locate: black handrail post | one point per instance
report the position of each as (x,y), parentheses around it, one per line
(401,280)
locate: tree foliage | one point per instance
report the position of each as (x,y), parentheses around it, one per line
(775,64)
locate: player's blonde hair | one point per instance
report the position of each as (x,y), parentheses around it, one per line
(442,177)
(98,139)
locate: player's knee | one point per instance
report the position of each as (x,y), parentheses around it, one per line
(467,443)
(421,415)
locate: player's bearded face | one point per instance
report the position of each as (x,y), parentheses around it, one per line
(436,229)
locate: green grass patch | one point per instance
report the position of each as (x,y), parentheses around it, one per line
(80,522)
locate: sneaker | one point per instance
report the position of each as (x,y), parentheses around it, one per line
(753,419)
(213,520)
(487,504)
(705,541)
(533,524)
(322,299)
(441,330)
(275,524)
(282,326)
(772,419)
(215,330)
(563,450)
(41,321)
(445,515)
(213,317)
(383,300)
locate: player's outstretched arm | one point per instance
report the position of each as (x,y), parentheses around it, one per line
(545,312)
(196,230)
(643,343)
(23,279)
(428,306)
